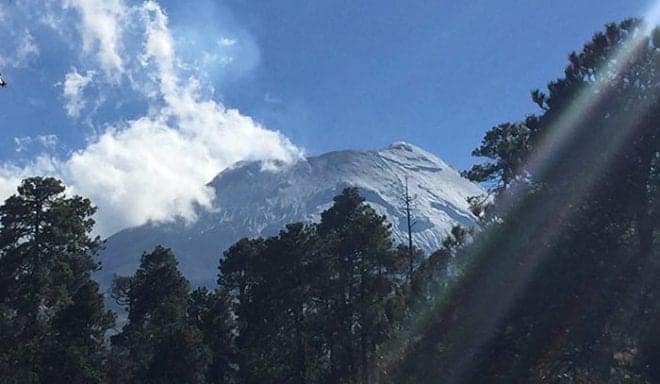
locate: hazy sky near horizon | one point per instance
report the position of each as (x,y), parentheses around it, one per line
(138,104)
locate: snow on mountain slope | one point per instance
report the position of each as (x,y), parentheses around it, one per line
(259,198)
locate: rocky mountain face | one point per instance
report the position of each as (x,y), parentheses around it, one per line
(259,198)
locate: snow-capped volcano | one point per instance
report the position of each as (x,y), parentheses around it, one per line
(259,198)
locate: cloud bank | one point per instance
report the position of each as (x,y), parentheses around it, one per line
(152,167)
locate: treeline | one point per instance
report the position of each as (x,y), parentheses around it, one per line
(563,284)
(314,304)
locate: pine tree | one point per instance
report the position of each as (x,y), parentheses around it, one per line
(568,253)
(289,256)
(356,242)
(210,312)
(456,238)
(240,278)
(313,303)
(272,292)
(158,344)
(52,319)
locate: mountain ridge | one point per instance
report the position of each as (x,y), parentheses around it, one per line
(257,198)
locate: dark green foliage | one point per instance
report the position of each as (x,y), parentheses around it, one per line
(562,281)
(311,303)
(210,313)
(456,238)
(508,145)
(430,277)
(52,320)
(356,242)
(314,304)
(158,344)
(241,279)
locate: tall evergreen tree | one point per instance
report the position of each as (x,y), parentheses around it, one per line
(313,305)
(158,344)
(271,285)
(565,271)
(356,243)
(210,312)
(289,258)
(52,320)
(240,278)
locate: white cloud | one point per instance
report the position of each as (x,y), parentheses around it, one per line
(226,42)
(101,30)
(11,175)
(27,48)
(73,89)
(154,167)
(21,52)
(46,141)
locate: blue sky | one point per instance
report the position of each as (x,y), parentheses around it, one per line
(137,104)
(435,73)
